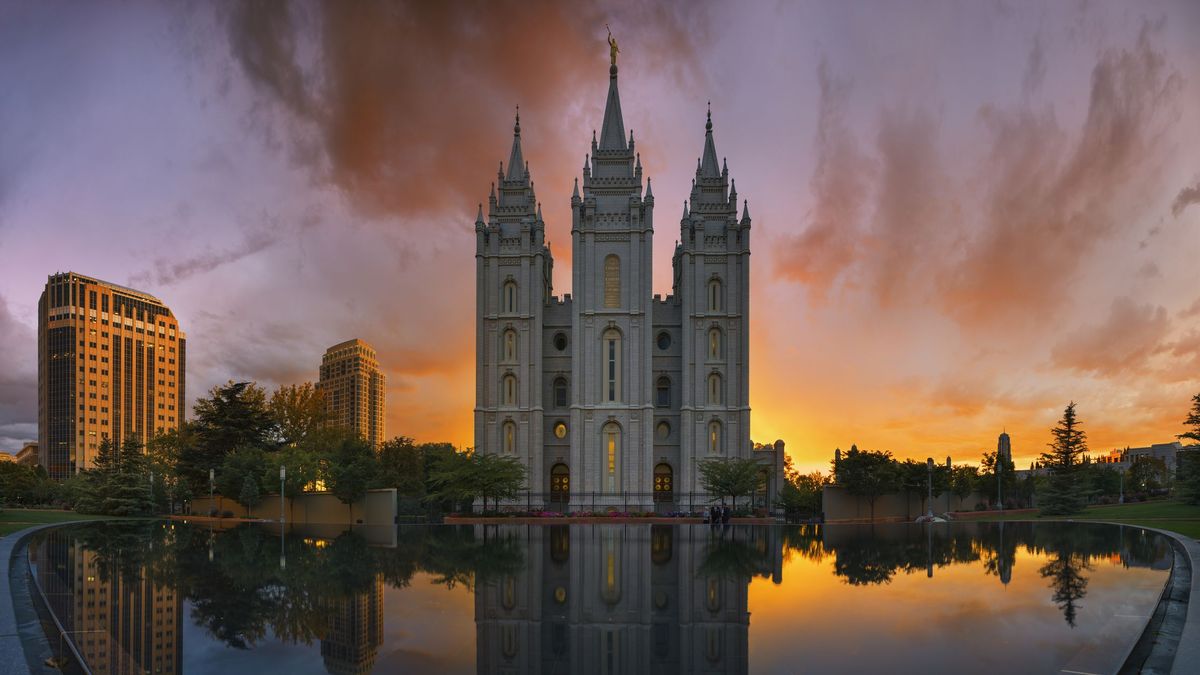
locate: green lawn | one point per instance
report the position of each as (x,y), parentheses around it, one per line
(12,520)
(1165,515)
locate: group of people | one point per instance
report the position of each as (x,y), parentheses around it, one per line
(719,514)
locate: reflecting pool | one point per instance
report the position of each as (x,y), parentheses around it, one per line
(137,597)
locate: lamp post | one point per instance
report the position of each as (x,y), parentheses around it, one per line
(212,479)
(282,475)
(999,483)
(1121,500)
(929,468)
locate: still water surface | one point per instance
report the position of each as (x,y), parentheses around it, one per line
(970,597)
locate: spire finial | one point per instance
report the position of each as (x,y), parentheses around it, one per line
(708,124)
(517,125)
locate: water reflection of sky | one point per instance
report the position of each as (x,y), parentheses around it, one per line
(606,599)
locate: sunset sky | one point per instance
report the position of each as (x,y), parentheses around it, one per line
(965,214)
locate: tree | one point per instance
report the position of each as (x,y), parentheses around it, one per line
(299,414)
(731,477)
(250,496)
(459,477)
(497,477)
(913,479)
(401,466)
(987,485)
(1146,474)
(963,480)
(352,467)
(1064,493)
(247,462)
(1188,480)
(232,416)
(868,474)
(801,495)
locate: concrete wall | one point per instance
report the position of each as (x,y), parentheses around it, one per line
(839,504)
(377,508)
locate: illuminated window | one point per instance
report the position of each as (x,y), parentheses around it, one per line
(714,344)
(510,345)
(612,282)
(508,390)
(508,439)
(714,389)
(714,437)
(612,456)
(560,430)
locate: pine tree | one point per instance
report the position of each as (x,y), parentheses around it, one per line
(1188,481)
(1064,492)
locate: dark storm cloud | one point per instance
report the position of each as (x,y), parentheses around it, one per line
(1186,197)
(167,271)
(1001,238)
(18,380)
(406,98)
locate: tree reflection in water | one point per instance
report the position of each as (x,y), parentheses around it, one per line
(249,584)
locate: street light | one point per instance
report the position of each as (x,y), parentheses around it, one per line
(929,467)
(282,475)
(212,479)
(999,483)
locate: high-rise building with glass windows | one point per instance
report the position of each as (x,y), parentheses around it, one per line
(353,386)
(111,363)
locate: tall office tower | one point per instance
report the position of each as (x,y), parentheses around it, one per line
(353,386)
(111,363)
(355,631)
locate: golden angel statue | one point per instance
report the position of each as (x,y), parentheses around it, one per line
(612,46)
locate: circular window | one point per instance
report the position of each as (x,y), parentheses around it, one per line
(663,429)
(664,341)
(560,430)
(560,342)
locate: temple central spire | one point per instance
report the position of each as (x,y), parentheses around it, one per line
(516,162)
(612,134)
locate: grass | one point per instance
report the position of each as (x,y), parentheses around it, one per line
(1165,515)
(12,520)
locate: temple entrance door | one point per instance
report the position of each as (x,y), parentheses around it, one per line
(664,488)
(560,487)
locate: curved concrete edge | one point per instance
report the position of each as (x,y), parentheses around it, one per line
(1187,653)
(23,644)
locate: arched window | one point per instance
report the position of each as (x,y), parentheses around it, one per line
(662,393)
(561,396)
(612,282)
(715,296)
(715,348)
(610,586)
(508,390)
(508,437)
(714,389)
(611,437)
(508,299)
(510,345)
(612,366)
(715,440)
(712,594)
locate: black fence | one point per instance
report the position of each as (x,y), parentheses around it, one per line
(602,501)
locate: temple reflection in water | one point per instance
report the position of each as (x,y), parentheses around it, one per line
(624,599)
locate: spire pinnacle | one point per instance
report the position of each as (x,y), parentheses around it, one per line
(479,215)
(708,165)
(575,190)
(612,132)
(516,162)
(745,210)
(685,210)
(649,191)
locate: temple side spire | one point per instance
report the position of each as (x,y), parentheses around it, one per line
(516,162)
(708,162)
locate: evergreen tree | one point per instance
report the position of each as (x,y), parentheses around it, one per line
(1063,495)
(1188,480)
(250,496)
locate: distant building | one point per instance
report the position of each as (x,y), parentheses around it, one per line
(1004,447)
(353,386)
(7,457)
(28,456)
(111,363)
(355,631)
